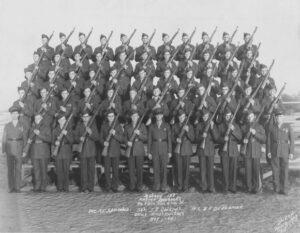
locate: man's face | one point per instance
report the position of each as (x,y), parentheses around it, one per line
(145,39)
(99,56)
(56,58)
(62,39)
(224,90)
(51,74)
(167,73)
(37,119)
(92,73)
(181,118)
(206,56)
(264,71)
(205,117)
(159,117)
(134,117)
(144,56)
(21,93)
(103,41)
(228,117)
(234,73)
(187,55)
(62,120)
(110,117)
(247,38)
(132,94)
(167,56)
(81,38)
(185,39)
(205,38)
(64,94)
(44,41)
(249,54)
(110,93)
(124,39)
(181,93)
(43,93)
(166,39)
(142,74)
(279,119)
(189,74)
(14,115)
(77,57)
(156,92)
(86,118)
(201,90)
(248,91)
(226,38)
(209,72)
(122,56)
(113,73)
(250,117)
(87,92)
(28,75)
(72,75)
(36,57)
(272,92)
(227,55)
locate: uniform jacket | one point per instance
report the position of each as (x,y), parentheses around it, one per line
(187,139)
(65,150)
(40,147)
(138,148)
(212,137)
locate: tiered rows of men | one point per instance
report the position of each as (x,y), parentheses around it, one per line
(211,96)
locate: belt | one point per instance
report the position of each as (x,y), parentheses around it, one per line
(160,140)
(15,139)
(38,141)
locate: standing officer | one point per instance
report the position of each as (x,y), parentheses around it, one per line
(160,150)
(40,152)
(136,158)
(112,159)
(14,137)
(253,152)
(207,153)
(89,151)
(280,148)
(64,156)
(184,157)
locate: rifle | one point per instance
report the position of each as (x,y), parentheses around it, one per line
(249,43)
(30,139)
(248,135)
(150,39)
(252,63)
(202,146)
(68,37)
(61,136)
(232,36)
(173,57)
(268,74)
(182,132)
(191,57)
(114,96)
(109,136)
(111,82)
(212,55)
(225,147)
(85,40)
(173,37)
(258,88)
(108,39)
(209,41)
(275,101)
(89,124)
(230,59)
(132,138)
(189,39)
(141,89)
(130,37)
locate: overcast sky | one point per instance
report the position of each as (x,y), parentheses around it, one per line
(23,22)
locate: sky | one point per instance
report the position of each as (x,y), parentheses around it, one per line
(23,22)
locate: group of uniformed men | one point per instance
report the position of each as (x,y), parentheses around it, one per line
(214,97)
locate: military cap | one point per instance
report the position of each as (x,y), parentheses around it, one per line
(27,69)
(278,112)
(225,34)
(224,84)
(246,34)
(81,34)
(141,69)
(164,35)
(14,109)
(60,115)
(167,69)
(249,111)
(36,53)
(87,86)
(156,87)
(189,69)
(51,68)
(204,111)
(62,89)
(109,111)
(184,34)
(72,69)
(102,36)
(45,36)
(204,34)
(247,86)
(44,88)
(86,112)
(21,88)
(133,89)
(200,85)
(167,51)
(92,68)
(134,111)
(158,111)
(144,34)
(122,35)
(181,112)
(181,87)
(227,111)
(188,50)
(61,35)
(263,66)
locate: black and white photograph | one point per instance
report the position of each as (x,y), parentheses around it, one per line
(150,116)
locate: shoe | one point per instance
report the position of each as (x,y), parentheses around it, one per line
(225,192)
(283,192)
(212,190)
(11,191)
(232,190)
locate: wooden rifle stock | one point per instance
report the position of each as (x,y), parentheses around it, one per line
(130,37)
(275,101)
(109,136)
(252,64)
(173,37)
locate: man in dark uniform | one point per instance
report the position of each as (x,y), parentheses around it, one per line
(134,103)
(207,153)
(96,82)
(250,72)
(148,87)
(241,53)
(185,45)
(123,47)
(204,64)
(146,64)
(74,85)
(28,84)
(83,48)
(226,65)
(184,157)
(47,52)
(65,50)
(220,53)
(60,66)
(39,70)
(165,63)
(165,46)
(81,66)
(190,82)
(88,102)
(64,156)
(253,151)
(137,154)
(89,151)
(280,148)
(104,50)
(185,64)
(102,64)
(205,46)
(145,47)
(230,156)
(110,103)
(112,159)
(160,150)
(14,137)
(40,152)
(172,85)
